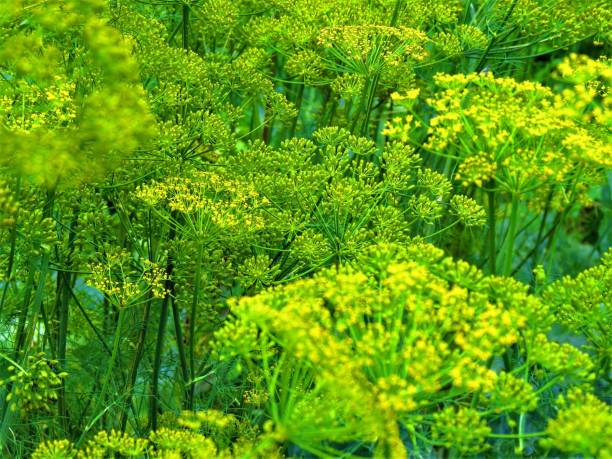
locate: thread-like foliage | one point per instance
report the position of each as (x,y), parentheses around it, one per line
(336,229)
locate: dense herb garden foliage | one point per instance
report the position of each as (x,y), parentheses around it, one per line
(305,228)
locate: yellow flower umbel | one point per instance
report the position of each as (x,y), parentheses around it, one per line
(35,385)
(386,341)
(54,449)
(582,304)
(123,285)
(462,430)
(64,121)
(105,444)
(8,207)
(582,426)
(520,137)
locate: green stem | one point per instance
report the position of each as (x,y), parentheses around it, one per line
(525,435)
(159,347)
(63,316)
(266,132)
(13,246)
(254,119)
(23,315)
(194,306)
(107,376)
(180,344)
(539,238)
(136,359)
(510,242)
(370,101)
(89,322)
(111,364)
(493,40)
(521,434)
(328,109)
(185,26)
(161,331)
(536,247)
(396,12)
(492,210)
(362,102)
(24,336)
(142,336)
(40,290)
(47,335)
(298,106)
(548,385)
(523,415)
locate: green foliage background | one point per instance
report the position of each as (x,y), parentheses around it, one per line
(271,228)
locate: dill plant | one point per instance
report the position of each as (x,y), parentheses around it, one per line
(270,228)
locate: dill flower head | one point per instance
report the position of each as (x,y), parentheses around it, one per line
(583,425)
(582,303)
(519,137)
(467,210)
(513,394)
(226,201)
(62,123)
(219,167)
(307,65)
(110,443)
(54,449)
(461,429)
(373,49)
(425,13)
(471,37)
(390,337)
(8,207)
(448,43)
(35,385)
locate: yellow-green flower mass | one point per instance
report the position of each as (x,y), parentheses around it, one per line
(311,229)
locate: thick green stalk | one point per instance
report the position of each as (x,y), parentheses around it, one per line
(180,344)
(159,347)
(328,109)
(185,26)
(63,315)
(13,246)
(361,107)
(113,359)
(142,336)
(396,12)
(539,238)
(373,85)
(101,398)
(493,40)
(523,415)
(23,313)
(24,335)
(510,238)
(299,98)
(136,359)
(492,221)
(192,329)
(161,332)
